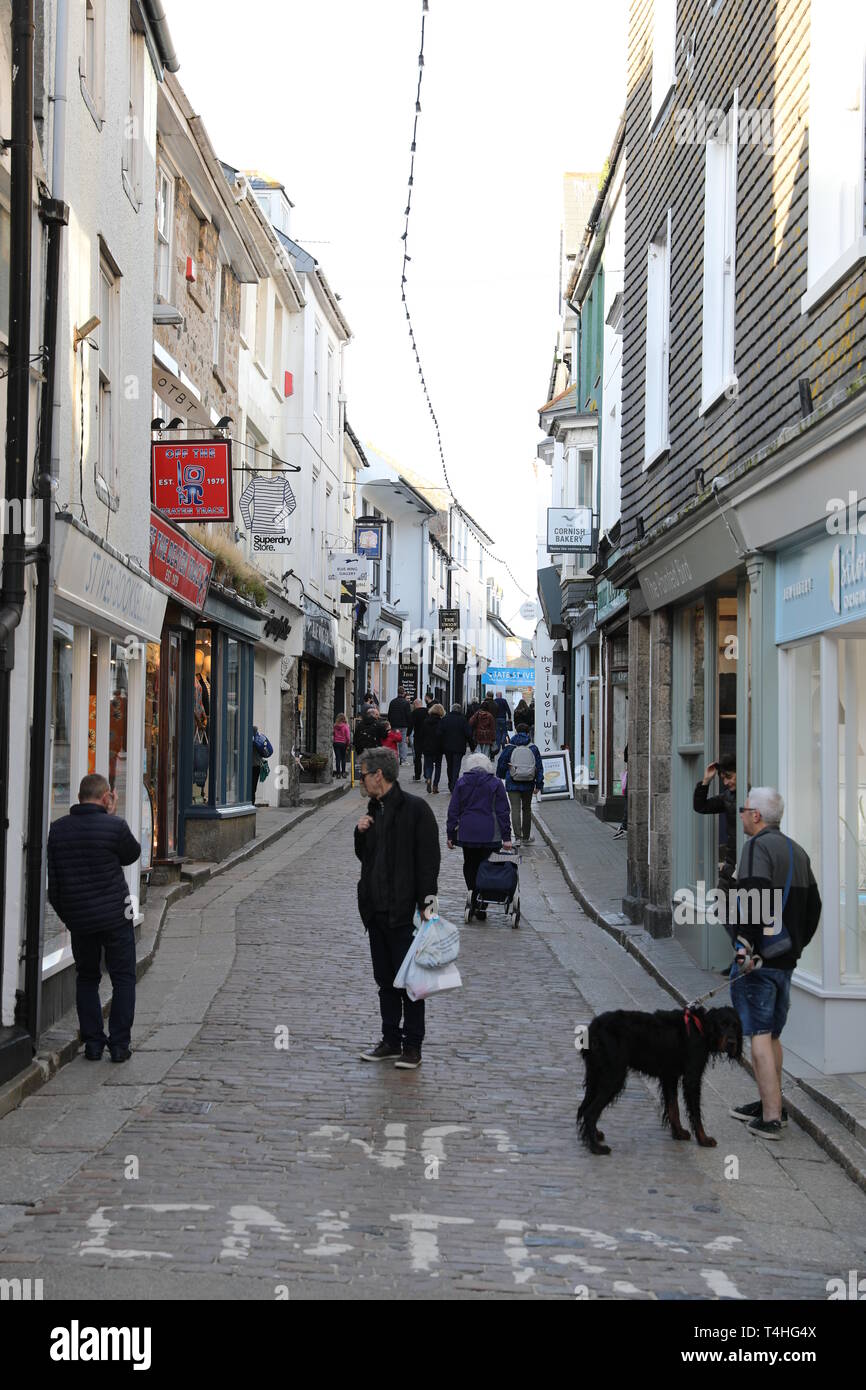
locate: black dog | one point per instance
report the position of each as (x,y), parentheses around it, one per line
(669,1044)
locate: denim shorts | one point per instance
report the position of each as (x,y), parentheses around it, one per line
(761,999)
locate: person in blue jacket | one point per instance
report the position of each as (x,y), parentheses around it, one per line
(523,772)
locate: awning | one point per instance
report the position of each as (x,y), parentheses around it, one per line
(550,594)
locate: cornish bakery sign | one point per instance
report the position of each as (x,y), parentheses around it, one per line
(820,585)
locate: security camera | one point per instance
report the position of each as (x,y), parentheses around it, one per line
(717,483)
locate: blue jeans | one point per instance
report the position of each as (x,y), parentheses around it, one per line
(432,771)
(87,948)
(501,731)
(761,999)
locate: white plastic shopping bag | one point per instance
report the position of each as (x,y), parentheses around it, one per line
(440,946)
(408,959)
(421,981)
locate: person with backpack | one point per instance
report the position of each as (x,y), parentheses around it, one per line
(478,818)
(369,732)
(521,766)
(400,717)
(262,750)
(775,912)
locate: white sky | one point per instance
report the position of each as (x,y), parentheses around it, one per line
(320,94)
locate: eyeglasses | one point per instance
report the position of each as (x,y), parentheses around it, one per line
(749,808)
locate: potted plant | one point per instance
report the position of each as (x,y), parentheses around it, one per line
(313,764)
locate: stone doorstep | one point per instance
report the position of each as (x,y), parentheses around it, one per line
(840,1132)
(61,1043)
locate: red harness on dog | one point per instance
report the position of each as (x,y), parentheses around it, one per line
(689,1017)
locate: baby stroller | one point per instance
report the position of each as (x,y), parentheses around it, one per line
(497,881)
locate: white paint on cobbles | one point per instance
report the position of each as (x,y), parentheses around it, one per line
(722,1244)
(423,1238)
(660,1242)
(623,1286)
(329,1225)
(520,1256)
(720,1283)
(100,1225)
(393,1154)
(432,1140)
(241,1219)
(503,1142)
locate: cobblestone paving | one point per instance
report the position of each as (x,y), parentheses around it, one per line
(246,1151)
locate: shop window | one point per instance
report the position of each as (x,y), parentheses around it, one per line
(231,705)
(694,711)
(852,810)
(164,234)
(61,720)
(150,769)
(202,724)
(804,789)
(92,704)
(118,723)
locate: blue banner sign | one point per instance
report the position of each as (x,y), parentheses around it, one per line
(509,675)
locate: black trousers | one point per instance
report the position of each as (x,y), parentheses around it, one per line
(388,947)
(452,762)
(87,948)
(419,757)
(473,855)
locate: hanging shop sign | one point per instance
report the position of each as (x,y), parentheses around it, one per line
(346,566)
(570,531)
(820,585)
(545,720)
(320,634)
(192,481)
(266,505)
(178,564)
(408,678)
(368,539)
(610,600)
(449,619)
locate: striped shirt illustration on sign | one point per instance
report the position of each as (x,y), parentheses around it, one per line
(266,504)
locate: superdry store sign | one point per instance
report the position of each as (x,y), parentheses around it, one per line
(192,481)
(177,564)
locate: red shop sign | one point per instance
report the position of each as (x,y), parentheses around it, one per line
(192,481)
(178,564)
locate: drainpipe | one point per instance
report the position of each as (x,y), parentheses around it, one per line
(56,216)
(12,591)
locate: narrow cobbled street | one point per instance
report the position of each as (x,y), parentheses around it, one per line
(246,1152)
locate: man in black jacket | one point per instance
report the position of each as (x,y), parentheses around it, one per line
(397,842)
(419,714)
(724,805)
(87,889)
(399,717)
(778,907)
(455,733)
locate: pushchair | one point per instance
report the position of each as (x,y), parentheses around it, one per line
(497,881)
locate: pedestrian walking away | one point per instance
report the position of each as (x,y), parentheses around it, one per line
(419,716)
(87,852)
(342,737)
(455,734)
(502,712)
(523,771)
(622,828)
(369,732)
(397,842)
(724,805)
(777,908)
(431,742)
(478,819)
(400,717)
(483,726)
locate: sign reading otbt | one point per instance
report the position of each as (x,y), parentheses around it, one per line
(192,481)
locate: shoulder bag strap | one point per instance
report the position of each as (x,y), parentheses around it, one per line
(789,880)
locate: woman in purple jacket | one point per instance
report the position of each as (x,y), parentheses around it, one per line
(479,819)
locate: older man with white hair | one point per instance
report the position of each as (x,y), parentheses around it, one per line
(778,908)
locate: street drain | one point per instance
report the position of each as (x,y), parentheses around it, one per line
(185,1107)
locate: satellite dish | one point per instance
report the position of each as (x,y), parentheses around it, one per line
(529,610)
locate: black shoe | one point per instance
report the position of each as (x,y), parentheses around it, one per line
(120,1054)
(93,1051)
(766,1129)
(382,1052)
(754,1111)
(410,1060)
(429,786)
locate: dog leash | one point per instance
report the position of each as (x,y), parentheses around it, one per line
(703,997)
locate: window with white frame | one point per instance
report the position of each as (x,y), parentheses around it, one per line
(91,67)
(837,62)
(219,290)
(330,386)
(720,235)
(277,346)
(658,308)
(585,493)
(317,399)
(261,321)
(164,233)
(664,53)
(109,328)
(132,129)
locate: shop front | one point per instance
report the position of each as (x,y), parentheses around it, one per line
(217,813)
(612,621)
(315,699)
(107,613)
(821,639)
(278,646)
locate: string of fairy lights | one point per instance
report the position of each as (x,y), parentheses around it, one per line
(425,8)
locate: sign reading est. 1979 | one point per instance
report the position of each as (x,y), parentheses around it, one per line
(192,481)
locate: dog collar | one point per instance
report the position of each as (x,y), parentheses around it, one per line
(693,1018)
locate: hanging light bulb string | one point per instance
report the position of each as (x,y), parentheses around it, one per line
(403,280)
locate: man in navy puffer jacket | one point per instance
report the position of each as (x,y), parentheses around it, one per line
(87,889)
